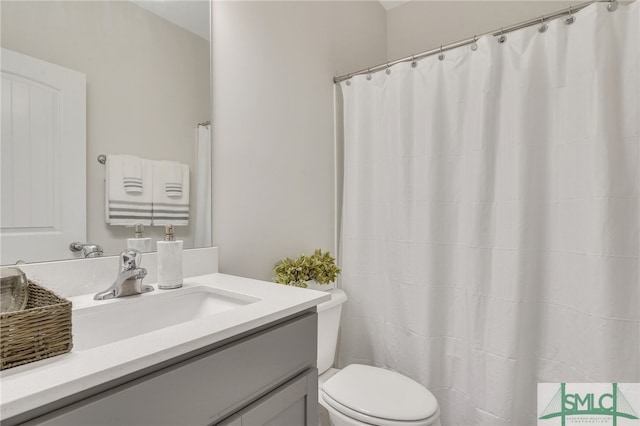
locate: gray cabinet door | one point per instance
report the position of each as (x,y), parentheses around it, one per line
(293,404)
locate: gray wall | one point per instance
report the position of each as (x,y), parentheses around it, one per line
(147,87)
(418,26)
(273,64)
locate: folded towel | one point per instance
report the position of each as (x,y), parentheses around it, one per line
(172,173)
(127,208)
(174,209)
(132,173)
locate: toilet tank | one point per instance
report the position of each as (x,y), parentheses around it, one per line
(328,326)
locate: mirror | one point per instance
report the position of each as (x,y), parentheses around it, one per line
(146,66)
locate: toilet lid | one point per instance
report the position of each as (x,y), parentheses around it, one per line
(381,393)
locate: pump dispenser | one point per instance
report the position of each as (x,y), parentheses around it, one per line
(138,242)
(169,260)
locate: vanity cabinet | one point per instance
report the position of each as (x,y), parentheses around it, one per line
(288,405)
(267,377)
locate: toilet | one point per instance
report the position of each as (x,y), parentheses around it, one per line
(362,395)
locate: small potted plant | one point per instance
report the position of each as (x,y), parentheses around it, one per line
(320,268)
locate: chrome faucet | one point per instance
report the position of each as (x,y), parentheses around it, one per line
(129,279)
(88,249)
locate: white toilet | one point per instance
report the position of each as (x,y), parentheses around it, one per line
(360,395)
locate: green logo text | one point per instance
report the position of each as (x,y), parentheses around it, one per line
(565,404)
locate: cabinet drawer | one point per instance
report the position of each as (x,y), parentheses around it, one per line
(204,389)
(294,403)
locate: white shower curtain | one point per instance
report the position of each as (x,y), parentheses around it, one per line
(490,217)
(202,218)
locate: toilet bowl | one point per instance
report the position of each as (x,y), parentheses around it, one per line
(360,395)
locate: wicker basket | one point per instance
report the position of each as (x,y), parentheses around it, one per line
(41,330)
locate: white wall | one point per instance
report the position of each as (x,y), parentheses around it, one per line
(418,26)
(273,64)
(147,86)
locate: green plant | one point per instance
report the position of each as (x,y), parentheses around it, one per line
(320,266)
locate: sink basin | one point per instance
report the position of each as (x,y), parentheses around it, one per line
(123,318)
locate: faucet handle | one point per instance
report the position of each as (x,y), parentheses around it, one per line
(130,259)
(87,249)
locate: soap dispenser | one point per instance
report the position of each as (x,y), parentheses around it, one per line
(138,242)
(169,260)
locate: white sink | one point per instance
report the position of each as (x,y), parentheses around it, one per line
(128,317)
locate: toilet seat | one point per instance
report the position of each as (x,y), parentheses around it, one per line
(349,414)
(379,397)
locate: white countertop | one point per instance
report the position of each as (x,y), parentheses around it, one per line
(29,386)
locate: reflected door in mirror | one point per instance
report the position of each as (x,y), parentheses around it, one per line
(43,199)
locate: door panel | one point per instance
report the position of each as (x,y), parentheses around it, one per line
(43,159)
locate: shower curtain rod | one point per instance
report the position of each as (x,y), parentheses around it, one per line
(612,6)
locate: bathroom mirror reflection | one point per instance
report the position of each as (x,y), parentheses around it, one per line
(145,67)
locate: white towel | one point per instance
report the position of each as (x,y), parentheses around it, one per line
(132,174)
(127,208)
(172,173)
(170,210)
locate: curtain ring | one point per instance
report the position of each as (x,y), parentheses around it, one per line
(368,73)
(570,19)
(612,6)
(414,63)
(348,82)
(441,55)
(502,37)
(543,25)
(474,45)
(388,70)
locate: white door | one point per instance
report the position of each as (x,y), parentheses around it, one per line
(43,159)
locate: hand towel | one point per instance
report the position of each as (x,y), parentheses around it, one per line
(123,208)
(132,174)
(173,175)
(170,210)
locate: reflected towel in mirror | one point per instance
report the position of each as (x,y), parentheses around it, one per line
(132,173)
(174,209)
(122,207)
(172,173)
